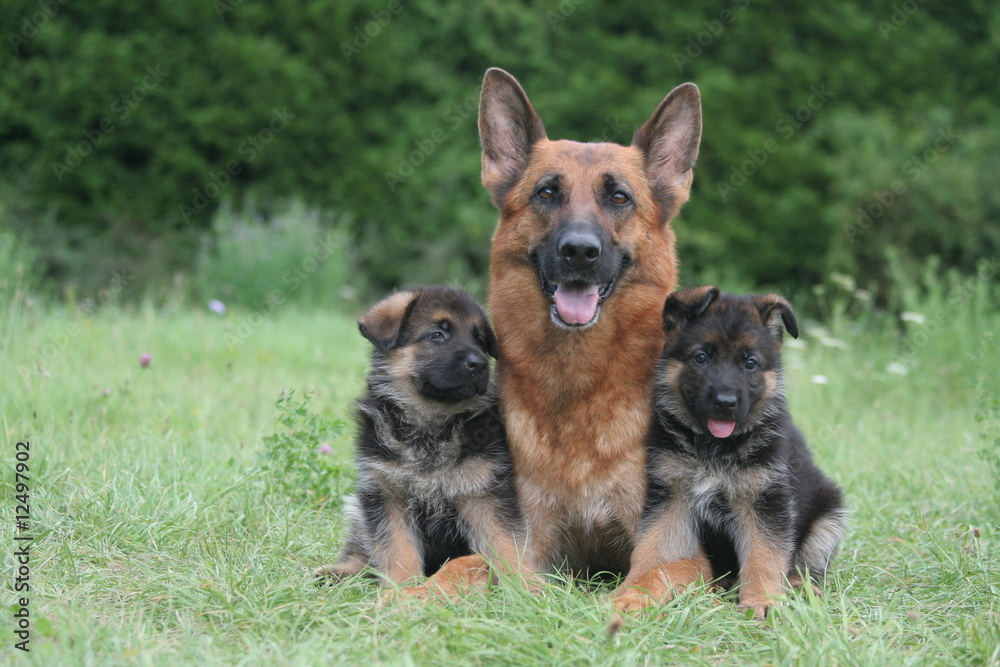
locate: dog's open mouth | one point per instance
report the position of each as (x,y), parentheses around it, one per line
(577,305)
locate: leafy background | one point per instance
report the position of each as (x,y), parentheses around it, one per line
(401,99)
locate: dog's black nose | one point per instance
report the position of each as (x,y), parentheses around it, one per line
(475,362)
(580,249)
(725,400)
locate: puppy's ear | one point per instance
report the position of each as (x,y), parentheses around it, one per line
(777,315)
(492,346)
(685,305)
(508,128)
(385,321)
(670,140)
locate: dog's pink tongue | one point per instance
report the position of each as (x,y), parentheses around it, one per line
(720,428)
(576,305)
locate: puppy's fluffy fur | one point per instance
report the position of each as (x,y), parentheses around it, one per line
(435,478)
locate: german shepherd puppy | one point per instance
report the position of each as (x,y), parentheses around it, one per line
(728,470)
(435,478)
(582,261)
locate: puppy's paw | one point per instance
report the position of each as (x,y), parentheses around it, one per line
(796,582)
(756,603)
(330,574)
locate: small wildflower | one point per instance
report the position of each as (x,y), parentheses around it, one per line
(916,318)
(897,368)
(217,306)
(819,379)
(324,448)
(145,359)
(106,392)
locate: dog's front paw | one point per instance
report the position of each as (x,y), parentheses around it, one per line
(331,574)
(756,603)
(633,599)
(420,592)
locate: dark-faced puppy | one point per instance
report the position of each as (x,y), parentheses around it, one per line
(728,470)
(435,478)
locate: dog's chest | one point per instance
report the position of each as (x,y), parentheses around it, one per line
(429,468)
(713,489)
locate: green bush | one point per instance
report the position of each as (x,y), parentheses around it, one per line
(125,125)
(294,255)
(296,463)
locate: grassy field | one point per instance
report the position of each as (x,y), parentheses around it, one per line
(176,519)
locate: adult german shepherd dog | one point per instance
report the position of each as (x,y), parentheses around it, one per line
(581,264)
(728,470)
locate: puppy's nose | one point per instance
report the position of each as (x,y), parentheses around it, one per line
(474,361)
(725,400)
(580,249)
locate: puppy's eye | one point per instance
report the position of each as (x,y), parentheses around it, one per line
(750,364)
(700,358)
(436,337)
(546,193)
(620,198)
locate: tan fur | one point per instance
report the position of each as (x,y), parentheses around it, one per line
(402,560)
(762,575)
(576,403)
(659,584)
(383,319)
(457,577)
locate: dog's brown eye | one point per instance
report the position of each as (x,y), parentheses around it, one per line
(546,193)
(700,358)
(750,364)
(619,198)
(436,336)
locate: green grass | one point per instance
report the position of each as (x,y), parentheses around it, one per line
(165,536)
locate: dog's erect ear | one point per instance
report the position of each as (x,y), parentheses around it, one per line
(385,321)
(492,346)
(508,128)
(685,305)
(777,315)
(670,140)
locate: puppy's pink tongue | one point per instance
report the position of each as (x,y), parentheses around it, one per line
(576,305)
(720,428)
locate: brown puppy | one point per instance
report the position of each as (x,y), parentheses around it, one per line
(728,470)
(582,261)
(435,491)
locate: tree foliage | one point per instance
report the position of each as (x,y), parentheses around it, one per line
(135,119)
